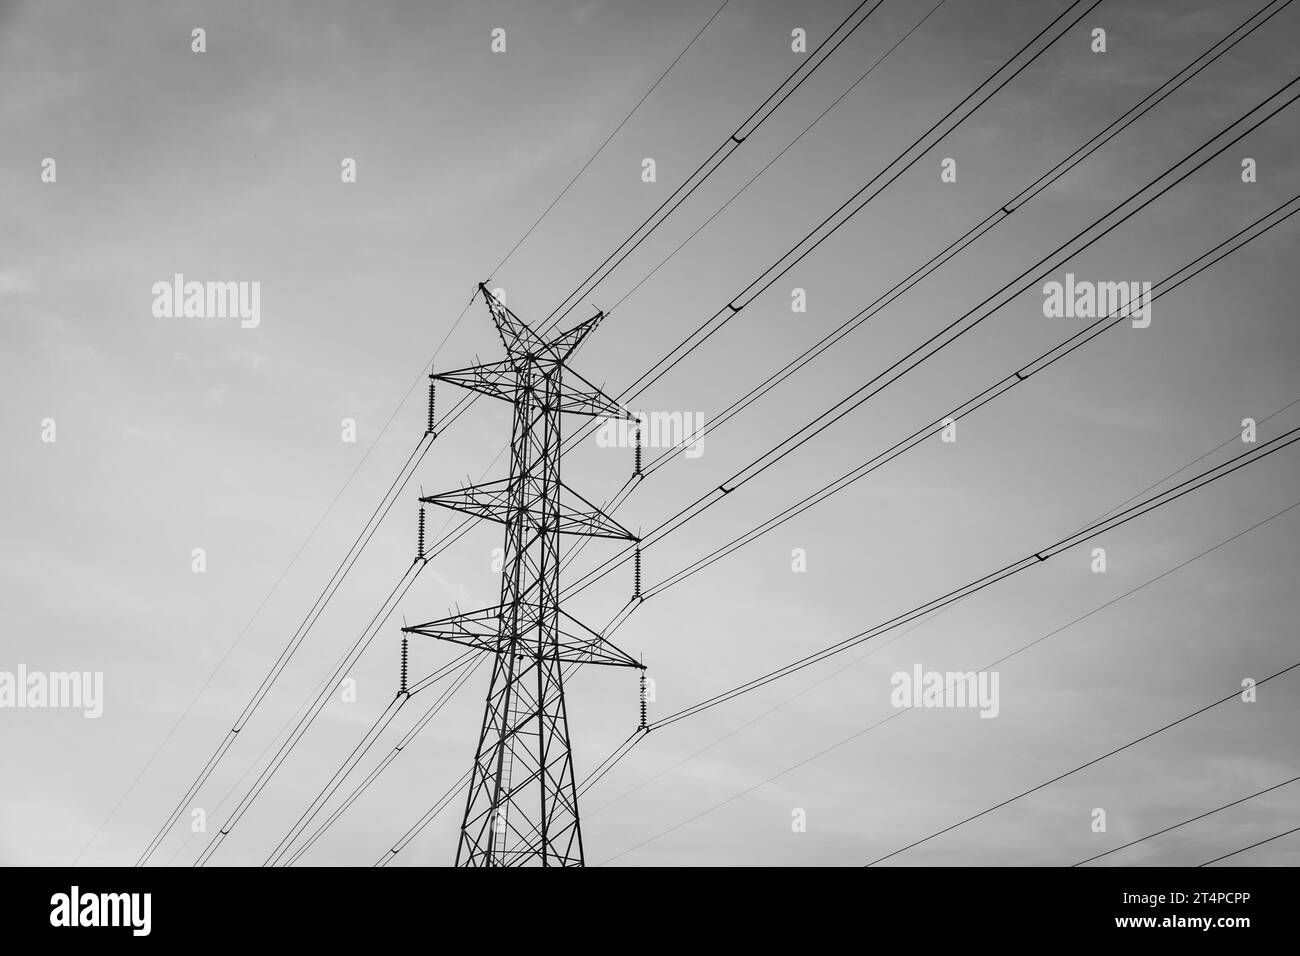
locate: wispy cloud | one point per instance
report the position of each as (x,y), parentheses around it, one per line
(14,284)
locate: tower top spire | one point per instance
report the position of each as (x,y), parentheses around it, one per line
(520,339)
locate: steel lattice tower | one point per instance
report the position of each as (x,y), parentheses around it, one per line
(522,807)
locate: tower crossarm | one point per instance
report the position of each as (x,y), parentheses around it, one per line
(588,520)
(495,379)
(500,380)
(577,644)
(494,501)
(490,500)
(478,629)
(582,645)
(584,398)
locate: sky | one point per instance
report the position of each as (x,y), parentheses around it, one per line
(173,433)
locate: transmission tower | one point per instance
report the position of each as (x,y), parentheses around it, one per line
(522,807)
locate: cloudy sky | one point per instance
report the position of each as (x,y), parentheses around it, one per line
(177,433)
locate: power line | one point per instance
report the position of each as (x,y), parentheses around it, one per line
(731,309)
(699,176)
(1196,265)
(650,224)
(1203,262)
(229,650)
(815,237)
(441,804)
(753,720)
(274,741)
(808,66)
(287,653)
(619,752)
(1000,388)
(997,390)
(999,215)
(1277,836)
(383,430)
(1030,560)
(466,403)
(898,713)
(281,734)
(1148,200)
(800,82)
(347,660)
(601,148)
(1132,743)
(1196,461)
(628,744)
(469,668)
(620,618)
(952,332)
(357,754)
(1183,823)
(737,310)
(785,149)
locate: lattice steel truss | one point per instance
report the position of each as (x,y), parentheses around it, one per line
(522,807)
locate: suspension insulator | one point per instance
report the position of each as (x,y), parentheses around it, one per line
(643,715)
(419,545)
(432,399)
(636,469)
(636,575)
(405,650)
